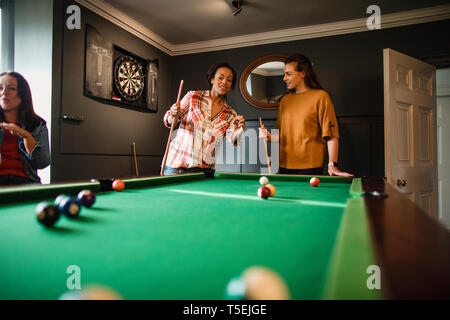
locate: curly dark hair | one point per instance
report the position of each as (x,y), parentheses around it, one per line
(213,69)
(28,119)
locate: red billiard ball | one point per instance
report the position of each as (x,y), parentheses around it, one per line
(263,192)
(118,185)
(314,181)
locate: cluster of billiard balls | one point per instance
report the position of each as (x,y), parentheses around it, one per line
(266,190)
(48,213)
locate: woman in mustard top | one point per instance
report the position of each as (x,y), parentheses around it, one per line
(307,123)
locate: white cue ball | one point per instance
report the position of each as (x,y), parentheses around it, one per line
(264,180)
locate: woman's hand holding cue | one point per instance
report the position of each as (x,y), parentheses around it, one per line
(174,111)
(264,134)
(239,122)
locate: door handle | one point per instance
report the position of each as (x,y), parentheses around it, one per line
(77,118)
(401,183)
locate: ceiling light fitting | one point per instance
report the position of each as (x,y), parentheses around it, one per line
(237,6)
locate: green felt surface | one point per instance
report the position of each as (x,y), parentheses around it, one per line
(181,240)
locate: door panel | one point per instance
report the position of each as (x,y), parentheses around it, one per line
(410,128)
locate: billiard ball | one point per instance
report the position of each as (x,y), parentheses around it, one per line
(314,181)
(262,283)
(235,289)
(72,295)
(118,185)
(257,283)
(86,198)
(60,197)
(70,207)
(47,213)
(272,189)
(264,180)
(263,192)
(92,292)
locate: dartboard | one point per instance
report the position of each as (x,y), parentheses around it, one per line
(129,78)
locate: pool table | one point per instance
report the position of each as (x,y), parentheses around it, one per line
(187,236)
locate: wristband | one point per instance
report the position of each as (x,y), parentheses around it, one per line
(334,164)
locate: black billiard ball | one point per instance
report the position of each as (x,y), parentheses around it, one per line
(70,207)
(47,213)
(86,198)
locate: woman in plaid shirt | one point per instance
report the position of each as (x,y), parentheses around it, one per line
(205,119)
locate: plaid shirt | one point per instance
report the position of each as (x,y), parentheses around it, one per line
(198,134)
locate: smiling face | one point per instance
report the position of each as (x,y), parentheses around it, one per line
(222,81)
(9,95)
(292,77)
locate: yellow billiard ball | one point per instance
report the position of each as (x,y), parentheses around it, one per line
(262,283)
(272,189)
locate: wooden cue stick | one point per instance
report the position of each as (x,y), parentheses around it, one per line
(174,120)
(135,160)
(265,147)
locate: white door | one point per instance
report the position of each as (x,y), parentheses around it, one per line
(443,133)
(410,128)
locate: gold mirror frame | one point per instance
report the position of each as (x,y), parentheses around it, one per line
(247,71)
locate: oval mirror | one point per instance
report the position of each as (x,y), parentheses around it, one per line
(261,83)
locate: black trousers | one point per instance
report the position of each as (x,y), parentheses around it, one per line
(311,171)
(11,179)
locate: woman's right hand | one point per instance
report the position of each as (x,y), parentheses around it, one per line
(264,133)
(174,110)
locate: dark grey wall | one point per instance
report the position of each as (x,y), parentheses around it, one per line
(101,146)
(349,67)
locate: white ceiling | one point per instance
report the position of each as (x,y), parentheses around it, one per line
(191,26)
(186,21)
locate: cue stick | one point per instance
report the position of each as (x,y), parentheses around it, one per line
(174,119)
(265,147)
(135,160)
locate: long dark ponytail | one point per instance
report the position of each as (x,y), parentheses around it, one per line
(304,64)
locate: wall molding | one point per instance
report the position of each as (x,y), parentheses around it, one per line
(315,31)
(115,16)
